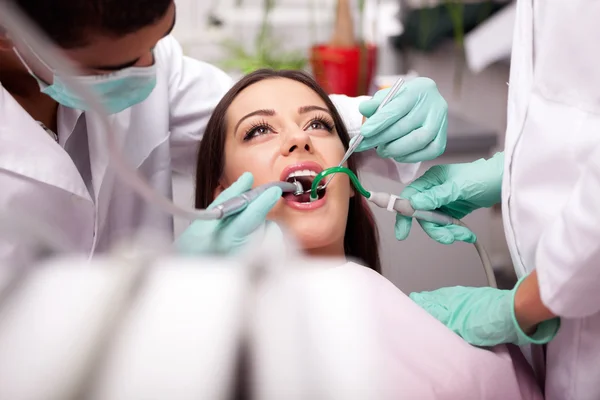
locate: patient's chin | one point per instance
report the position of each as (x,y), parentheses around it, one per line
(313,232)
(320,242)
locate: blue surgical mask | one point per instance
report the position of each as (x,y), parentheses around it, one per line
(117,91)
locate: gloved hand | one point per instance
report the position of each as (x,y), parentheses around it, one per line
(411,127)
(454,189)
(227,236)
(482,316)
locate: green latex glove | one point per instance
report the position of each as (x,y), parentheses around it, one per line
(482,316)
(454,189)
(229,235)
(411,128)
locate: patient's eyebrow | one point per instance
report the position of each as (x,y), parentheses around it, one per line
(306,109)
(266,113)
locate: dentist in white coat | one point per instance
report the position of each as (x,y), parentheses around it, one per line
(548,181)
(54,167)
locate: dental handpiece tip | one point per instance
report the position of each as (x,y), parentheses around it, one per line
(297,189)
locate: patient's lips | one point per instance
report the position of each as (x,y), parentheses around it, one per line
(304,173)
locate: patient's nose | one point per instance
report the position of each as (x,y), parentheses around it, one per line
(298,141)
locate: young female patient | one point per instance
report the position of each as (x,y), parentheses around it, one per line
(281,126)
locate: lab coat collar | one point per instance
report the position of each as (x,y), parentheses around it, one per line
(29,151)
(67,120)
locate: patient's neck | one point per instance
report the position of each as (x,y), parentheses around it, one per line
(333,250)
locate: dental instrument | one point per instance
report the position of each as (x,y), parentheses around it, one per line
(358,140)
(239,203)
(401,206)
(388,97)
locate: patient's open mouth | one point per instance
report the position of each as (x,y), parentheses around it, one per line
(304,178)
(302,175)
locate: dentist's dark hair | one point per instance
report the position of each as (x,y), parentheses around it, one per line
(72,23)
(361,240)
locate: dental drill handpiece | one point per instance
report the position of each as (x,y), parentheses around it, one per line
(237,204)
(354,145)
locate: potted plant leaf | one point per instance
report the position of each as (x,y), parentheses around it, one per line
(345,65)
(267,53)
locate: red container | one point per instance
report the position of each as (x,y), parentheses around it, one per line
(336,69)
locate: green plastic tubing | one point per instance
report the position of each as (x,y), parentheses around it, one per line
(335,170)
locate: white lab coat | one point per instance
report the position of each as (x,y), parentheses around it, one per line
(70,186)
(551,188)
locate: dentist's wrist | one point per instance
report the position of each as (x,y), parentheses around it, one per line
(534,321)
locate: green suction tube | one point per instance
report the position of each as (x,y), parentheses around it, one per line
(334,170)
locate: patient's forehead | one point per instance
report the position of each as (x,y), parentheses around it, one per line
(283,95)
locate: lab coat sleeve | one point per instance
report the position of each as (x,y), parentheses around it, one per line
(371,162)
(195,88)
(568,254)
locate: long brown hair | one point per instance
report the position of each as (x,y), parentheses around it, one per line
(361,238)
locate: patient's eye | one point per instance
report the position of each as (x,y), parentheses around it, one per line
(259,129)
(320,124)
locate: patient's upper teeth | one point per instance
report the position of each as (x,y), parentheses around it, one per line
(303,172)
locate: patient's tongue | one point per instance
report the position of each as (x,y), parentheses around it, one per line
(303,198)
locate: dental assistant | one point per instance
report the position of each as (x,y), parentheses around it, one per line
(54,166)
(548,180)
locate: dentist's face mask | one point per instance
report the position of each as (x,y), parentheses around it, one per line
(117,91)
